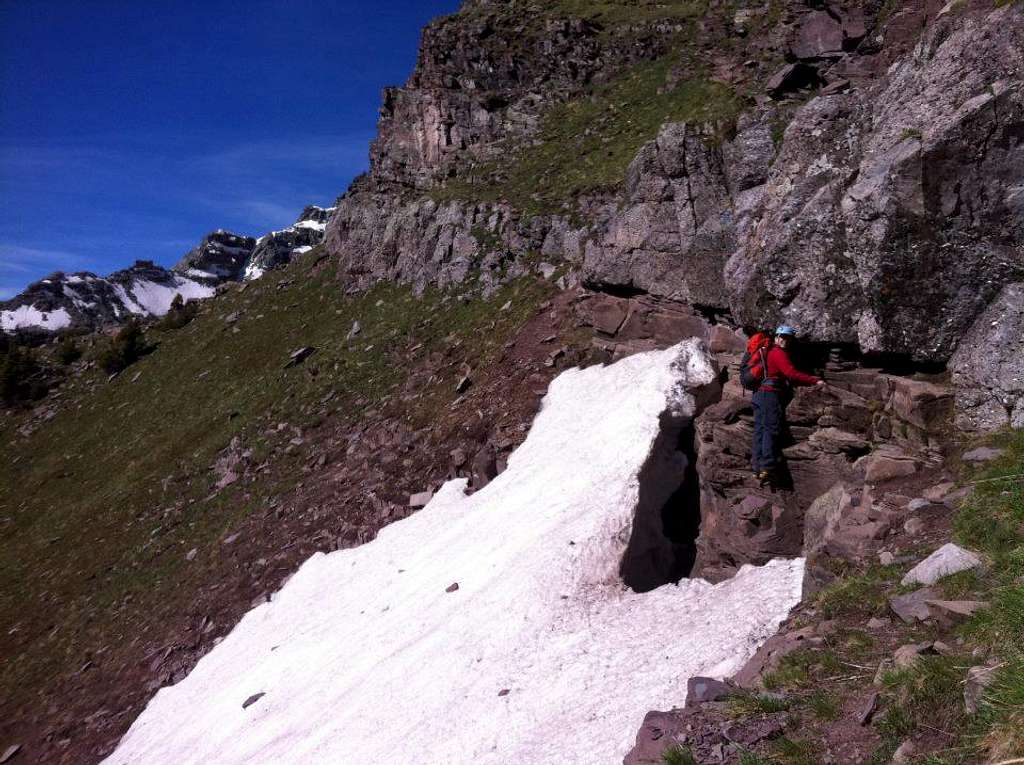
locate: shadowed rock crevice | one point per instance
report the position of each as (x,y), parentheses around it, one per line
(662,548)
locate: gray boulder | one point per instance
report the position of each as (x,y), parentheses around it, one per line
(948,559)
(988,366)
(842,240)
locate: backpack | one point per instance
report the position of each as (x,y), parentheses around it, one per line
(754,363)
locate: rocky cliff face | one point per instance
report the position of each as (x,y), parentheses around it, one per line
(851,169)
(84,300)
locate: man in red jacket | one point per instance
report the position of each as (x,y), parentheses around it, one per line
(770,402)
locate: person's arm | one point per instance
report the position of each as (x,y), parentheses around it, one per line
(791,373)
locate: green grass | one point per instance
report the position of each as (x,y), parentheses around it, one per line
(105,498)
(799,669)
(678,755)
(895,724)
(991,520)
(750,758)
(958,586)
(863,594)
(617,13)
(931,690)
(788,751)
(585,145)
(823,705)
(744,704)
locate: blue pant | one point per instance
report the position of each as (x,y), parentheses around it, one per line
(768,416)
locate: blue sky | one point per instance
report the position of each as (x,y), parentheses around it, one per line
(129,129)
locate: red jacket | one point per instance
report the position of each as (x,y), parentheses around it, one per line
(780,369)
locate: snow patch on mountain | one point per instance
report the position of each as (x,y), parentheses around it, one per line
(146,289)
(484,629)
(30,316)
(155,299)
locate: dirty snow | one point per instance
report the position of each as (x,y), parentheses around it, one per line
(30,316)
(364,657)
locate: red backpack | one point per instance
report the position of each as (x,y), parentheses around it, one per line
(754,363)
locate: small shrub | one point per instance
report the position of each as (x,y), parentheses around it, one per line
(746,704)
(21,377)
(678,755)
(750,758)
(792,752)
(895,723)
(67,351)
(127,347)
(823,705)
(859,594)
(931,690)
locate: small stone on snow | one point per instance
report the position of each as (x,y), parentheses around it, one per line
(253,699)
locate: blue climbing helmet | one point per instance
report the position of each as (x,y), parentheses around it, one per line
(785,330)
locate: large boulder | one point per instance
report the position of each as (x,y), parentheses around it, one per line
(988,366)
(674,231)
(892,215)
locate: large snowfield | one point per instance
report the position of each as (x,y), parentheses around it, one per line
(541,655)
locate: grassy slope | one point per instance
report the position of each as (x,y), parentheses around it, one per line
(585,145)
(99,505)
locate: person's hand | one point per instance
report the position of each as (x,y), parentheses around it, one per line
(821,384)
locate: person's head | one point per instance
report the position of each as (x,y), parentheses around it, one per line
(784,335)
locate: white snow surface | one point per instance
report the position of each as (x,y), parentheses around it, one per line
(30,316)
(252,271)
(364,657)
(315,225)
(151,298)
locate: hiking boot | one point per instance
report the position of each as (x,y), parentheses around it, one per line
(764,477)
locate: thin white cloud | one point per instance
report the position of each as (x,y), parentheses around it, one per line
(20,259)
(20,265)
(274,213)
(318,153)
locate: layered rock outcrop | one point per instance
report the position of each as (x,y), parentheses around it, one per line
(882,210)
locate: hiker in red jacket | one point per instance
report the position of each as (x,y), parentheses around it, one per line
(770,403)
